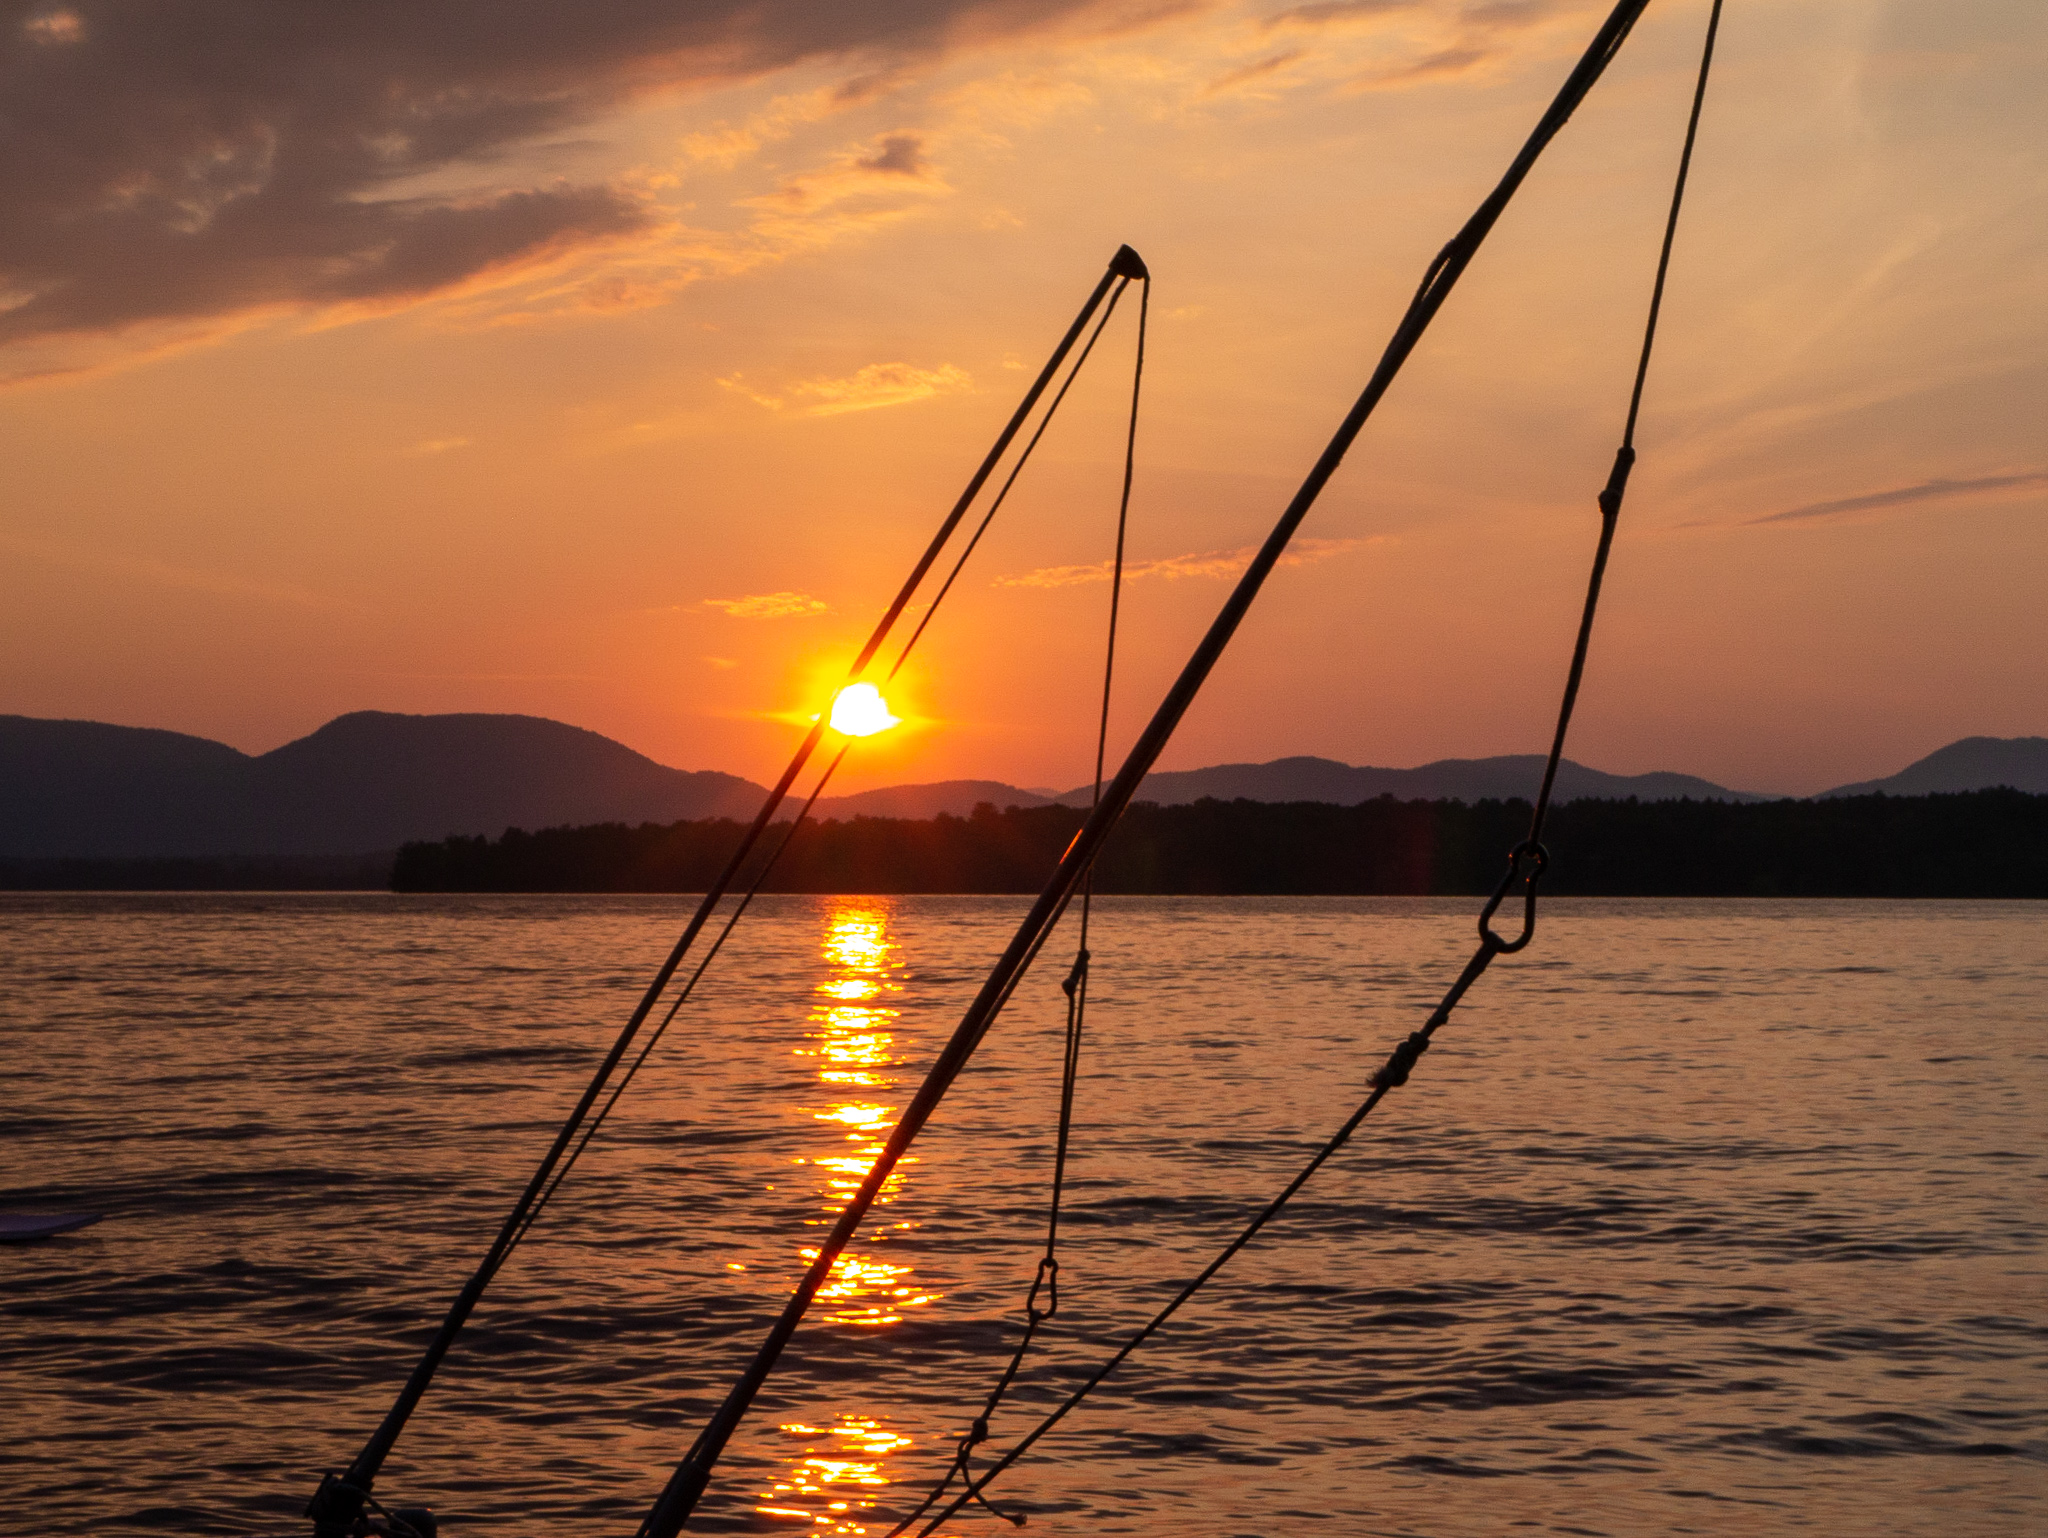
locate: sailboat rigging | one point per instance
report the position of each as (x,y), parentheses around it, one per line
(343,1506)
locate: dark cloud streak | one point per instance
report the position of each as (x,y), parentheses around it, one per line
(1901,496)
(184,159)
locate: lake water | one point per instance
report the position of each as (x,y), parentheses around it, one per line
(1701,1217)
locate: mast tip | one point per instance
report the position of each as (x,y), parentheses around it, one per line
(1128,264)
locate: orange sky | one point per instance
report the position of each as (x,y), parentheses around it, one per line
(616,373)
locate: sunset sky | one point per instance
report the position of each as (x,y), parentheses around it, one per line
(612,363)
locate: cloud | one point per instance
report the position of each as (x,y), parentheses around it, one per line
(1443,64)
(1442,40)
(1901,496)
(725,146)
(1336,13)
(893,164)
(883,384)
(737,383)
(430,446)
(1250,74)
(877,385)
(770,606)
(1207,563)
(898,155)
(174,160)
(54,28)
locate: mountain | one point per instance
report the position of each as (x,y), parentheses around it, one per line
(957,797)
(1973,763)
(367,781)
(83,788)
(1448,779)
(373,780)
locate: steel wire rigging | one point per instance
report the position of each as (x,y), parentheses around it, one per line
(1402,1060)
(687,1483)
(767,868)
(338,1507)
(1045,1282)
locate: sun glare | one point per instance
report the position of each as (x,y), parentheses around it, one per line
(860,711)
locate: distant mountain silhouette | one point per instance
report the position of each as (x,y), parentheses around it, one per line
(1448,779)
(363,782)
(83,788)
(956,797)
(1972,763)
(373,780)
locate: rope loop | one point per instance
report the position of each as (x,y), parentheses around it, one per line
(1539,859)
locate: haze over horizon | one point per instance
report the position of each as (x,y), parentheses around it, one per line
(627,402)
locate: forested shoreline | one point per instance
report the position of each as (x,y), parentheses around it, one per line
(1990,843)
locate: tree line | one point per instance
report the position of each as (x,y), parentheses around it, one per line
(1989,843)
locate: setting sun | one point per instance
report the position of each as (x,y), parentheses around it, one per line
(860,711)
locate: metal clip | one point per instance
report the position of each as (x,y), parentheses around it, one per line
(1539,862)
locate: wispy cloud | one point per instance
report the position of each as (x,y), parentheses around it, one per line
(55,28)
(1902,496)
(1251,74)
(1443,41)
(877,385)
(430,446)
(1335,13)
(155,573)
(1443,64)
(1172,568)
(883,384)
(770,606)
(726,145)
(888,165)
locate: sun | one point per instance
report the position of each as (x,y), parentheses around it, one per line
(860,711)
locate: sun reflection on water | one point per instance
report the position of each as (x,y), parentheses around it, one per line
(833,1474)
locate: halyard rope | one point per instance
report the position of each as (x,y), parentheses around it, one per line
(1046,1281)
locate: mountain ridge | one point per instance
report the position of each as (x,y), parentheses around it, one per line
(373,780)
(368,780)
(1968,763)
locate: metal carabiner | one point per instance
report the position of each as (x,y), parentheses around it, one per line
(1540,862)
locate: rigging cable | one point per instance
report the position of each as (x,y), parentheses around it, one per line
(1046,1281)
(336,1507)
(1018,469)
(1394,1072)
(732,920)
(687,1482)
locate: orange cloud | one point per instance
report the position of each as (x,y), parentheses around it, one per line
(770,606)
(877,385)
(1208,563)
(1250,74)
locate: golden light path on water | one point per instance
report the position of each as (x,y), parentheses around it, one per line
(835,1472)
